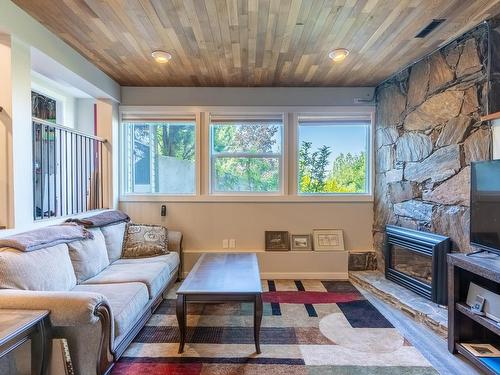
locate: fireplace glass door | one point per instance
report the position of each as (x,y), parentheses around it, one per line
(411,263)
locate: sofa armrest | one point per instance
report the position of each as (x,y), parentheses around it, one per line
(175,241)
(70,309)
(66,308)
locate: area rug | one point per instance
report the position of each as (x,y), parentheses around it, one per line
(310,327)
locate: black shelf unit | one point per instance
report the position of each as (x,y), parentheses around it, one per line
(463,325)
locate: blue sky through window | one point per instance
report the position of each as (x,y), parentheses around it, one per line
(339,137)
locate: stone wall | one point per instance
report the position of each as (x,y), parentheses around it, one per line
(428,132)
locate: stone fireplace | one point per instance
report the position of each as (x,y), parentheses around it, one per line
(417,261)
(428,132)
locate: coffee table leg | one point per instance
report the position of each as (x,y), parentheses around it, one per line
(41,346)
(257,321)
(181,319)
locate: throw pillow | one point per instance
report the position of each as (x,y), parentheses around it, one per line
(113,235)
(142,241)
(89,257)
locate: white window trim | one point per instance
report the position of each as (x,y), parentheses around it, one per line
(123,171)
(370,154)
(289,155)
(280,157)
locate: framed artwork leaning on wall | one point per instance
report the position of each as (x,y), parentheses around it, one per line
(277,241)
(328,240)
(301,242)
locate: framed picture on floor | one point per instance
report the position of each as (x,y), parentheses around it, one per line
(277,241)
(301,242)
(482,350)
(328,240)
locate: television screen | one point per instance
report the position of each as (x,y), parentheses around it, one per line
(485,205)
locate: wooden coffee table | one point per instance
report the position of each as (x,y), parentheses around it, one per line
(219,278)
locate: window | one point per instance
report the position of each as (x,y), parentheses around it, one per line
(246,154)
(159,156)
(333,155)
(43,107)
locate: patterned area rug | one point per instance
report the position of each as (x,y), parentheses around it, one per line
(309,327)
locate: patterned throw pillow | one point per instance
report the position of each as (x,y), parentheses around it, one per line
(142,241)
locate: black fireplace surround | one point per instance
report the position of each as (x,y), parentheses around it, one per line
(417,261)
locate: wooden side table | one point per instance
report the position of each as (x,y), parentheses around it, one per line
(19,326)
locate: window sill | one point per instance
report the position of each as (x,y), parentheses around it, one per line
(350,198)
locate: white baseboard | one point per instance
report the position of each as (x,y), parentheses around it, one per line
(300,275)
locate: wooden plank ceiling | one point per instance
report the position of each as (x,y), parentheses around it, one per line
(255,42)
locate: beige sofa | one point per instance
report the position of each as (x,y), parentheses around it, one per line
(97,300)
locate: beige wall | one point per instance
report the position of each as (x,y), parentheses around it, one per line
(6,191)
(205,225)
(246,96)
(107,128)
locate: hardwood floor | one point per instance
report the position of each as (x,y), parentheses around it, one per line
(433,347)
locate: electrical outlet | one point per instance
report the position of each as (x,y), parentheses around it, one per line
(225,244)
(232,243)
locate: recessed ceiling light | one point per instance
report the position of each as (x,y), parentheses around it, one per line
(161,57)
(339,54)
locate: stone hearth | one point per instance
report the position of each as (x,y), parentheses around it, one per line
(420,309)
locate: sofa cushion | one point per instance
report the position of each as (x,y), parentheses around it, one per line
(171,260)
(113,236)
(47,269)
(89,257)
(143,240)
(155,275)
(127,301)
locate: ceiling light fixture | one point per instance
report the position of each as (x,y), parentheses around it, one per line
(339,54)
(161,57)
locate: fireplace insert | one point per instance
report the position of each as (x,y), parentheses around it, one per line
(417,261)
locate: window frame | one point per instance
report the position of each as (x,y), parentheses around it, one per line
(289,191)
(213,157)
(369,151)
(123,165)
